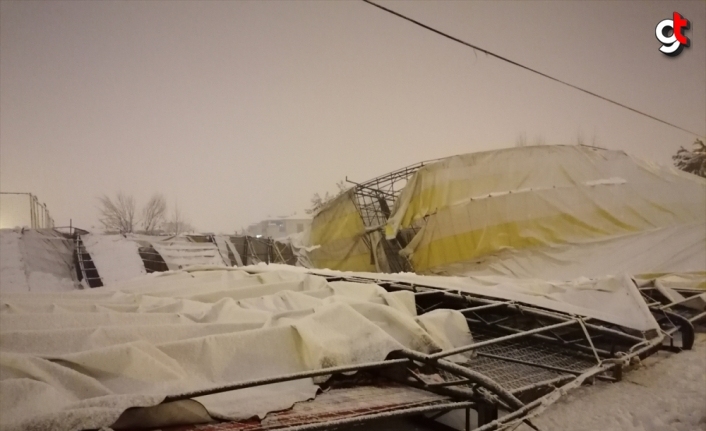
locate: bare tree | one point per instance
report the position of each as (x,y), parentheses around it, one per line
(692,161)
(177,224)
(318,202)
(522,140)
(117,215)
(153,213)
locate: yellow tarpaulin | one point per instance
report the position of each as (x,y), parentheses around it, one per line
(338,233)
(475,206)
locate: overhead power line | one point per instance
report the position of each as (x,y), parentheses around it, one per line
(514,63)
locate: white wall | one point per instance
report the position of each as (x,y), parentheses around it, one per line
(15,211)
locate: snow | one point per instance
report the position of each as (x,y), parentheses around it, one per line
(180,253)
(116,257)
(12,274)
(35,261)
(611,299)
(667,393)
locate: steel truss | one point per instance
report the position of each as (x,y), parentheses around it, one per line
(521,360)
(375,200)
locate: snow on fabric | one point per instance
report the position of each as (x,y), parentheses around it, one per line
(179,253)
(116,257)
(34,260)
(542,202)
(79,360)
(613,299)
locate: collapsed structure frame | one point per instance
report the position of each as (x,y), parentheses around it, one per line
(553,351)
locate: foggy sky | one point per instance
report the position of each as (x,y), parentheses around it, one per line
(240,110)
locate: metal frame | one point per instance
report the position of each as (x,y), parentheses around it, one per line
(375,200)
(676,318)
(86,268)
(660,304)
(522,358)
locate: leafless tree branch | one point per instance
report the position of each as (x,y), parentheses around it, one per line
(154,213)
(117,215)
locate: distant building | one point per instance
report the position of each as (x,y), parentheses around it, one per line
(279,227)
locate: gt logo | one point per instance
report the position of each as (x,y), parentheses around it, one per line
(671,33)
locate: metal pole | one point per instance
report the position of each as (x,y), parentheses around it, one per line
(474,346)
(285,378)
(468,373)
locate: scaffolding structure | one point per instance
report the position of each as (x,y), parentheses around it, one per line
(375,199)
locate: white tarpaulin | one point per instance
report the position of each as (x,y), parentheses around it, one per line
(613,299)
(78,360)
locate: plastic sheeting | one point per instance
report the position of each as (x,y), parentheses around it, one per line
(80,360)
(613,299)
(338,237)
(677,249)
(474,207)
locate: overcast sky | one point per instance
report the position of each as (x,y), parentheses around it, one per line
(240,110)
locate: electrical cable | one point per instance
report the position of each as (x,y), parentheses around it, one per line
(505,59)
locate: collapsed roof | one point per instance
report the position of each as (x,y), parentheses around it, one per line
(200,343)
(551,212)
(213,344)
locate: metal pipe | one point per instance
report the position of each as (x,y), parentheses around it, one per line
(533,364)
(468,373)
(534,311)
(449,383)
(680,301)
(484,307)
(475,346)
(554,340)
(284,378)
(552,382)
(698,317)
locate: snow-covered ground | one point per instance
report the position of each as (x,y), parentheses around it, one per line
(667,393)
